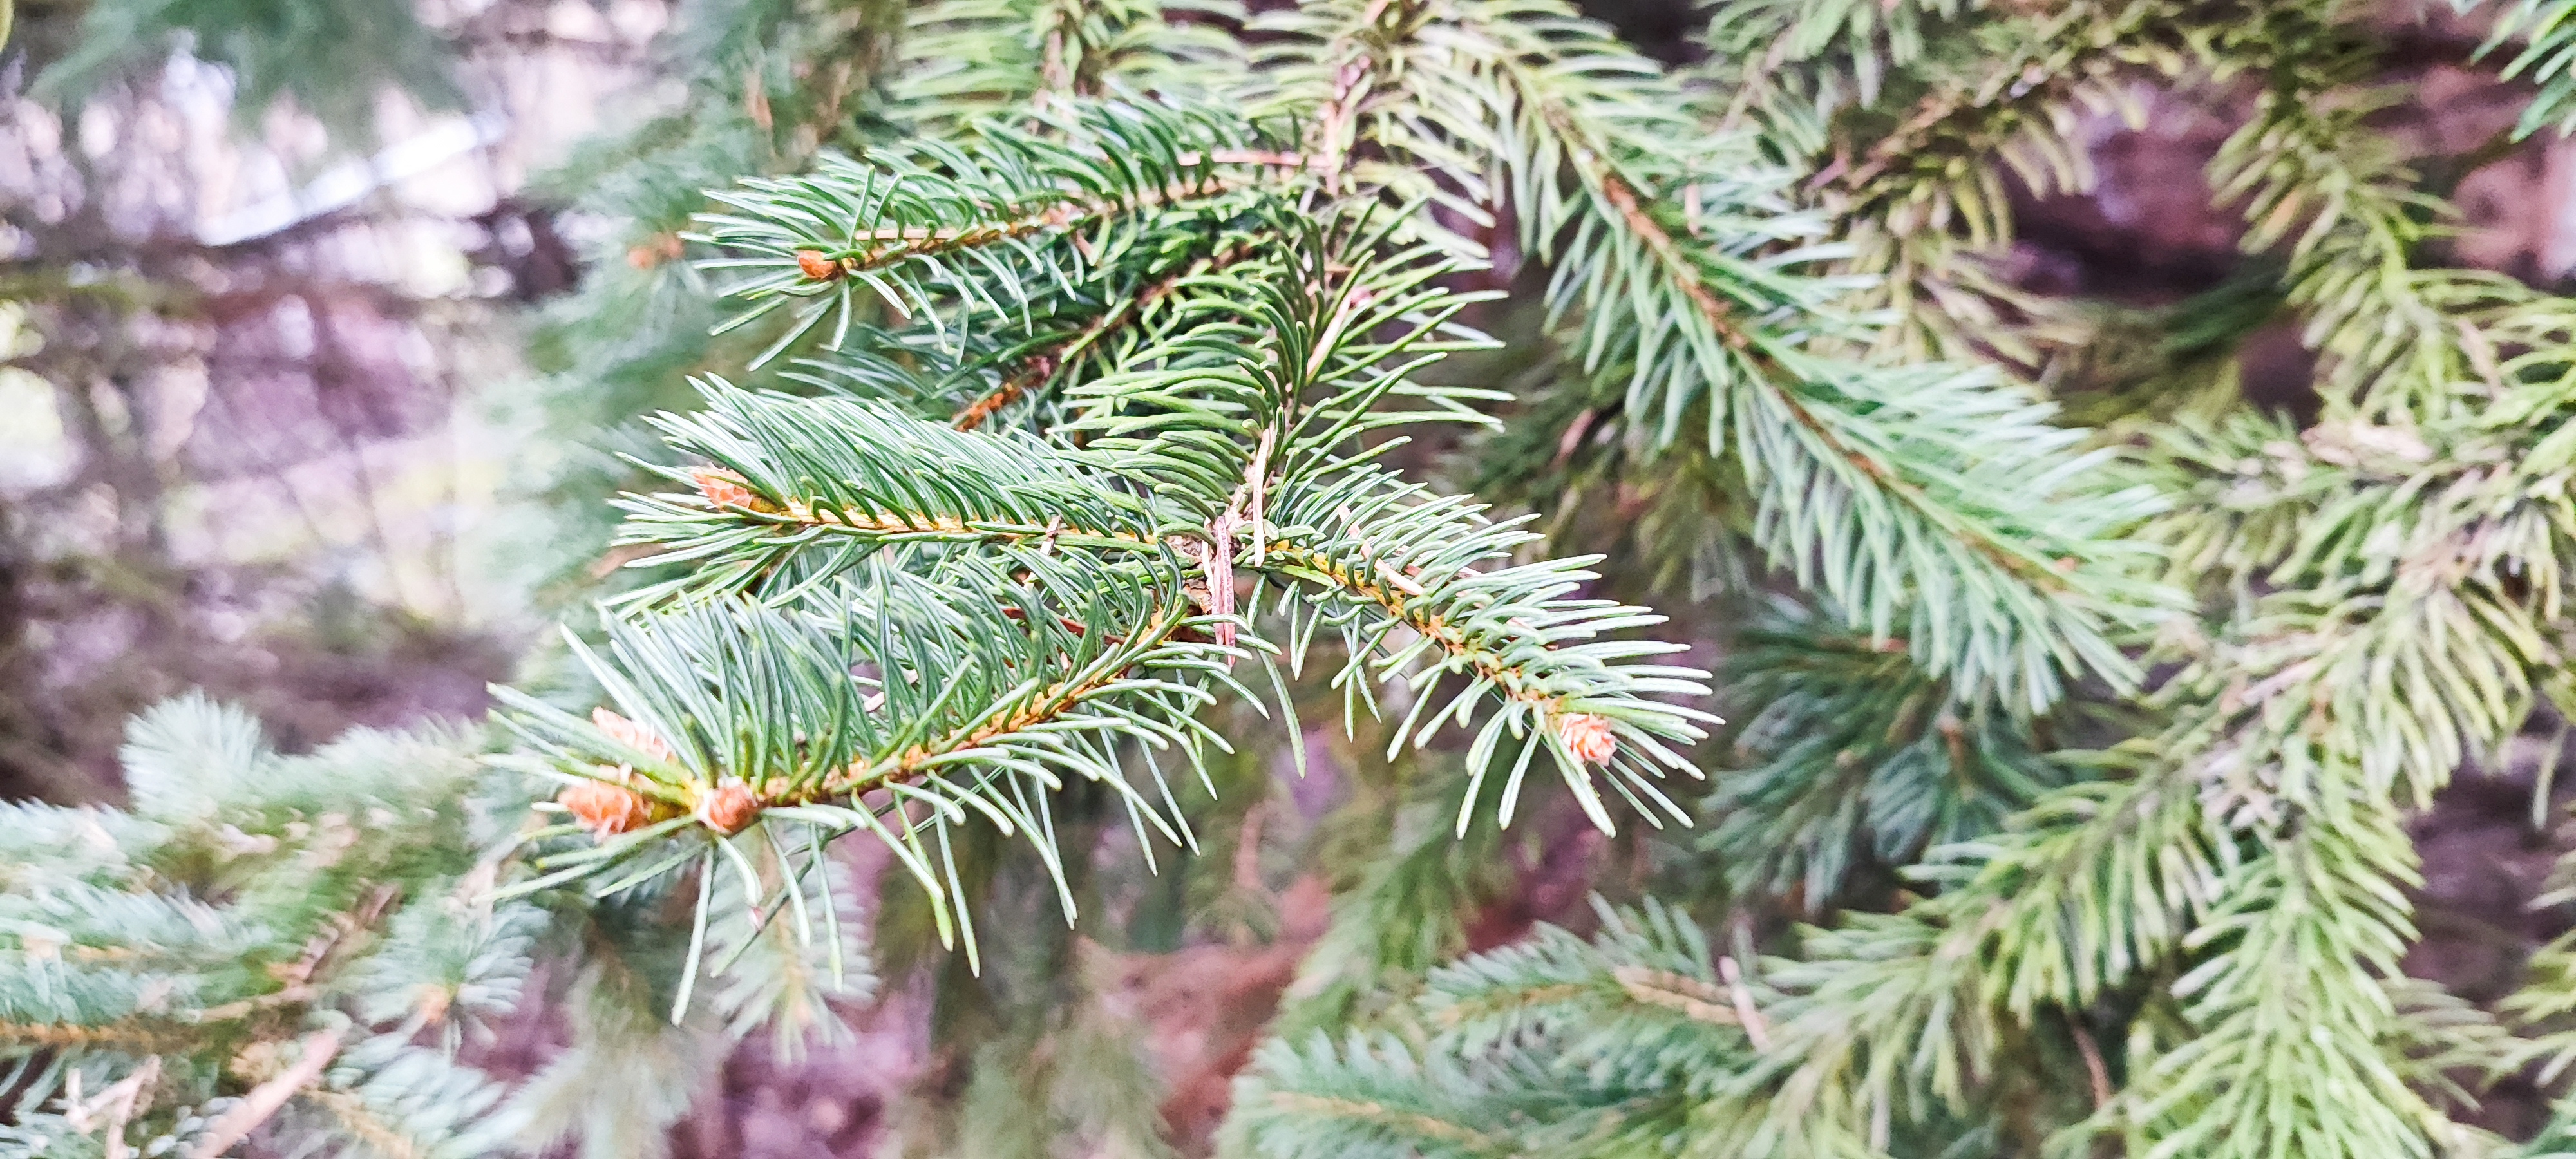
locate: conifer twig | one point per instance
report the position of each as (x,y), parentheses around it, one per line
(264,1100)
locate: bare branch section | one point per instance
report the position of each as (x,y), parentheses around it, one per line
(270,1096)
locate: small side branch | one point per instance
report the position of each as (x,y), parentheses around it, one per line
(1037,368)
(1747,1014)
(1047,705)
(1405,598)
(1593,166)
(880,248)
(1413,1122)
(722,492)
(264,1100)
(1691,997)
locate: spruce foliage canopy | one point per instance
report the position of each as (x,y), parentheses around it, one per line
(1077,382)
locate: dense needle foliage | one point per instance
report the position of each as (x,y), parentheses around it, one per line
(1092,376)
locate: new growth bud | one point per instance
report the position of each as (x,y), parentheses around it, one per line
(814,264)
(728,807)
(631,734)
(723,488)
(604,809)
(1588,737)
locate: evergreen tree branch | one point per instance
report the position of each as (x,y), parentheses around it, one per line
(967,58)
(1858,756)
(800,491)
(1094,343)
(1988,594)
(1508,631)
(1561,1046)
(2548,36)
(2412,347)
(250,903)
(957,237)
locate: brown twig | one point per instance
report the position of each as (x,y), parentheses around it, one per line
(2094,1070)
(1046,705)
(1746,1012)
(1043,365)
(1399,594)
(121,1101)
(1694,999)
(135,1036)
(1031,373)
(323,944)
(619,556)
(895,523)
(904,244)
(264,1100)
(1419,1124)
(1330,143)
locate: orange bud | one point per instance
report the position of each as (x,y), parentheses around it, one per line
(655,250)
(723,488)
(1588,737)
(604,809)
(632,735)
(728,807)
(817,266)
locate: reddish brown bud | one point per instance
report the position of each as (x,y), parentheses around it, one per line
(817,266)
(604,809)
(1588,737)
(723,488)
(728,807)
(659,248)
(631,734)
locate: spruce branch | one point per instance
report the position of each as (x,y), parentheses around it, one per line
(1131,307)
(251,903)
(1576,130)
(1560,1046)
(1921,191)
(961,237)
(2413,346)
(2548,36)
(1510,632)
(901,705)
(1071,592)
(1368,1096)
(2306,770)
(1096,344)
(966,58)
(1858,756)
(800,491)
(2382,591)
